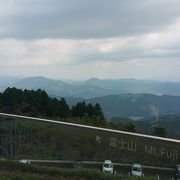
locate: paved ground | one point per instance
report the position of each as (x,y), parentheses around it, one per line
(124,170)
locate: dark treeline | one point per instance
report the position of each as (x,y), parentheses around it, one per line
(81,109)
(38,103)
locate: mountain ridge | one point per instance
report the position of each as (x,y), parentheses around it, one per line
(60,88)
(93,87)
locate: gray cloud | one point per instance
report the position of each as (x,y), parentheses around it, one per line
(32,19)
(85,38)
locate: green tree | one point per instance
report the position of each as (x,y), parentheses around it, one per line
(90,110)
(64,108)
(159,131)
(79,109)
(11,98)
(98,111)
(129,127)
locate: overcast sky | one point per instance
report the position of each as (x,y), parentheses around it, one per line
(80,39)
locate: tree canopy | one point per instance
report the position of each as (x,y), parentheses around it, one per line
(38,103)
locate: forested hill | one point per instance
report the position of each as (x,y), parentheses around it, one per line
(39,104)
(138,105)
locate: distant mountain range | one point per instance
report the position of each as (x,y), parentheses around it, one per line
(114,96)
(61,88)
(93,87)
(121,86)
